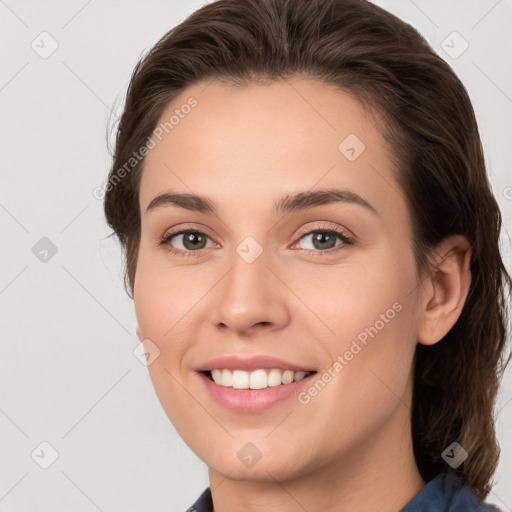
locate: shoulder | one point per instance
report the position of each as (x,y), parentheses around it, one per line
(464,497)
(446,493)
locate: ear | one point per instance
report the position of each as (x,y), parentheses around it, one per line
(445,289)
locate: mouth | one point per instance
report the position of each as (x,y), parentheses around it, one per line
(253,384)
(253,391)
(261,378)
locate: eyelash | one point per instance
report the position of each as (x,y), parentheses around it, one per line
(165,241)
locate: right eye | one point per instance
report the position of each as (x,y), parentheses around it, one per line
(190,240)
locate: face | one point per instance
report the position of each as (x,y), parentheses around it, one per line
(271,279)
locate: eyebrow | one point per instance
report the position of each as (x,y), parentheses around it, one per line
(287,204)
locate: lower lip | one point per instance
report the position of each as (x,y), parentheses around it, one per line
(252,400)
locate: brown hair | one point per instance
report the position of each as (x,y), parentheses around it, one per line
(425,115)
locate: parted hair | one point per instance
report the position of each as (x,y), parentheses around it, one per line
(425,115)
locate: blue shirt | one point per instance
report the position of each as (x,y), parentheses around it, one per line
(442,494)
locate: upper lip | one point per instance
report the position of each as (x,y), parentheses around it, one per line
(250,364)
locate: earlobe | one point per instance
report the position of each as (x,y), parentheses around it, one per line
(444,295)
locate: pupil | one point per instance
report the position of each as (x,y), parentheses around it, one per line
(325,240)
(190,242)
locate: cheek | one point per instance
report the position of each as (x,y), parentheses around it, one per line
(361,300)
(372,314)
(368,380)
(167,304)
(161,297)
(161,305)
(150,296)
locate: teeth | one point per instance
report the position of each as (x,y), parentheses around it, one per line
(240,379)
(227,378)
(299,375)
(257,379)
(287,377)
(274,378)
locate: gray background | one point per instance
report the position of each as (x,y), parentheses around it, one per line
(68,376)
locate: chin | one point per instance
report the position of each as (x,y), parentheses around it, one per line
(273,464)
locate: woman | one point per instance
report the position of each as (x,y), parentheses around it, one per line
(312,249)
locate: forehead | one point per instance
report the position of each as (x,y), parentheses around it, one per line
(246,142)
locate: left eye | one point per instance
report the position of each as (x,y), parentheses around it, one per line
(190,240)
(323,240)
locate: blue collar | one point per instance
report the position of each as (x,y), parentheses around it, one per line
(444,493)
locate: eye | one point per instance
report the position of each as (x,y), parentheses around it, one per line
(324,240)
(185,241)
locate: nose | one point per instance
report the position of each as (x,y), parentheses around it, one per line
(250,299)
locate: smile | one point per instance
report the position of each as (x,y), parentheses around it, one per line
(257,379)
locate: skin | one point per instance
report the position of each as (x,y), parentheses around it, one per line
(350,447)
